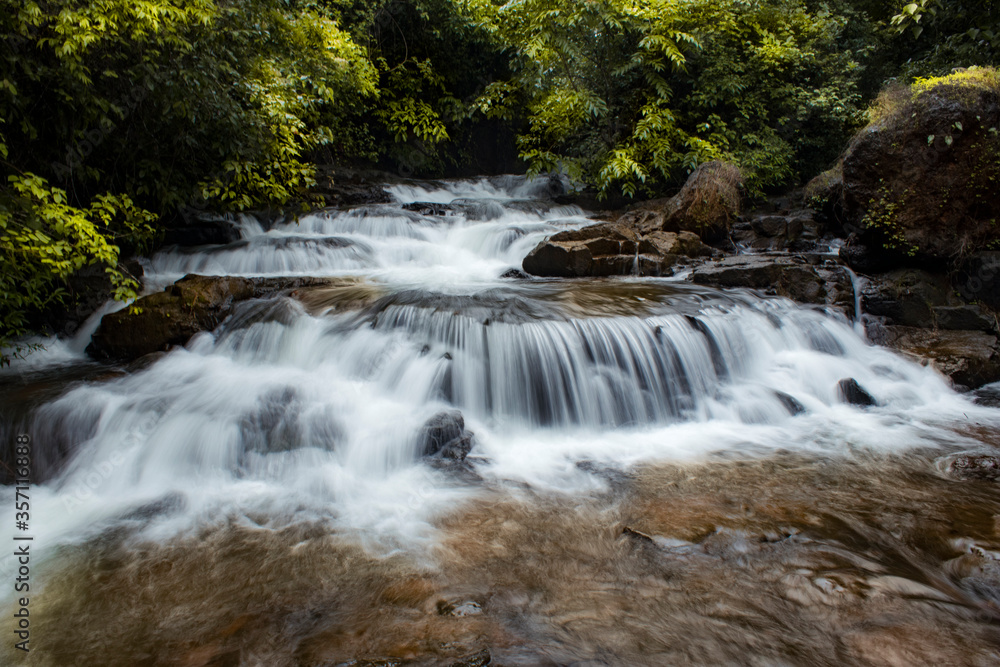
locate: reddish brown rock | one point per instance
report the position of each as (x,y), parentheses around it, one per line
(707,205)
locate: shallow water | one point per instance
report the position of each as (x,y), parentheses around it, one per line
(661,473)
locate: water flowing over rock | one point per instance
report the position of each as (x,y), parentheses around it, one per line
(649,444)
(444,436)
(854,393)
(170,317)
(923,176)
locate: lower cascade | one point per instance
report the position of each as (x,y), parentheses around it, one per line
(550,471)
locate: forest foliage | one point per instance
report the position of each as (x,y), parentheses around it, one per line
(118,116)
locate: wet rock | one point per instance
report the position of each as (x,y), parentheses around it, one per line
(975,466)
(791,276)
(444,436)
(964,318)
(969,358)
(479,659)
(868,259)
(786,230)
(988,396)
(610,249)
(515,274)
(170,317)
(338,295)
(914,298)
(480,209)
(191,305)
(170,504)
(707,204)
(790,403)
(854,394)
(787,227)
(459,609)
(922,176)
(429,208)
(145,361)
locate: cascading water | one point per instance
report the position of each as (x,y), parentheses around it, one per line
(308,410)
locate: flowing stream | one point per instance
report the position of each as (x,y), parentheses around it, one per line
(660,473)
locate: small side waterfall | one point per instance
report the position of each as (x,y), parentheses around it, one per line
(858,283)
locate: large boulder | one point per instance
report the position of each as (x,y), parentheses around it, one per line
(707,204)
(609,249)
(171,317)
(922,178)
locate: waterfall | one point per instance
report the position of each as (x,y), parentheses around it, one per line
(289,410)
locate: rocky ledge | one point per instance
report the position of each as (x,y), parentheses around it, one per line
(805,278)
(610,249)
(193,304)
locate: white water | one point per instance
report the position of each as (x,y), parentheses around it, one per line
(281,416)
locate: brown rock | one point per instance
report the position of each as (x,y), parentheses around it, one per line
(648,217)
(706,205)
(708,202)
(922,178)
(171,317)
(686,244)
(610,249)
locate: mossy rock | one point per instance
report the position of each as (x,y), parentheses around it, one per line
(171,317)
(923,178)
